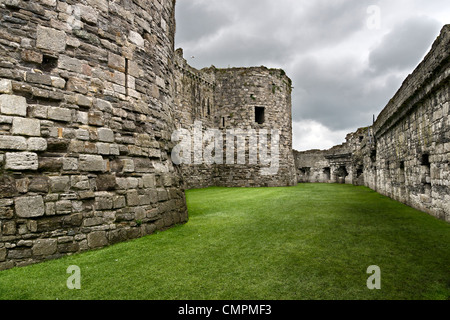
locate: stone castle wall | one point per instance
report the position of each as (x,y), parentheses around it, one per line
(91,92)
(405,154)
(227,99)
(413,136)
(340,164)
(86,116)
(194,101)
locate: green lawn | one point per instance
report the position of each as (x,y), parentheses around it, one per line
(313,241)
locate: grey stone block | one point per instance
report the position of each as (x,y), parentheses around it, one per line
(149,180)
(60,114)
(87,14)
(114,150)
(59,184)
(21,161)
(5,86)
(8,228)
(13,143)
(44,247)
(97,239)
(26,127)
(50,39)
(30,207)
(71,64)
(70,164)
(82,134)
(136,38)
(38,78)
(116,62)
(6,119)
(63,207)
(105,135)
(104,106)
(119,202)
(19,254)
(13,105)
(2,254)
(39,184)
(83,101)
(50,209)
(103,201)
(92,163)
(58,82)
(37,144)
(132,198)
(91,222)
(103,148)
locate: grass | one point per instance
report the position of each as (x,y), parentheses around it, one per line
(313,241)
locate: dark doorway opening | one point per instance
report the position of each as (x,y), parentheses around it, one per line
(327,173)
(341,174)
(359,172)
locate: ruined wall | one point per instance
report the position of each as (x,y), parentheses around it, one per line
(340,164)
(194,94)
(194,101)
(413,136)
(226,99)
(86,114)
(405,154)
(312,166)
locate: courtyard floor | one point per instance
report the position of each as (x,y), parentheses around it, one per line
(312,241)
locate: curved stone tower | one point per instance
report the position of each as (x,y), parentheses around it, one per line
(258,99)
(85,126)
(251,102)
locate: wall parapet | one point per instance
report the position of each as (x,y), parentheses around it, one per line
(430,75)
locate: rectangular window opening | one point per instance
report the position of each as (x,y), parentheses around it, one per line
(259,115)
(425,160)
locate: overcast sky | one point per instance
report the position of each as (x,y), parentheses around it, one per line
(346,58)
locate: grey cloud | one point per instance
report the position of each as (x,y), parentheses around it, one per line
(405,46)
(313,41)
(337,97)
(196,21)
(324,23)
(265,31)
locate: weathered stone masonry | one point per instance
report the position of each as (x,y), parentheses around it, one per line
(90,94)
(86,116)
(247,99)
(413,137)
(340,164)
(405,155)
